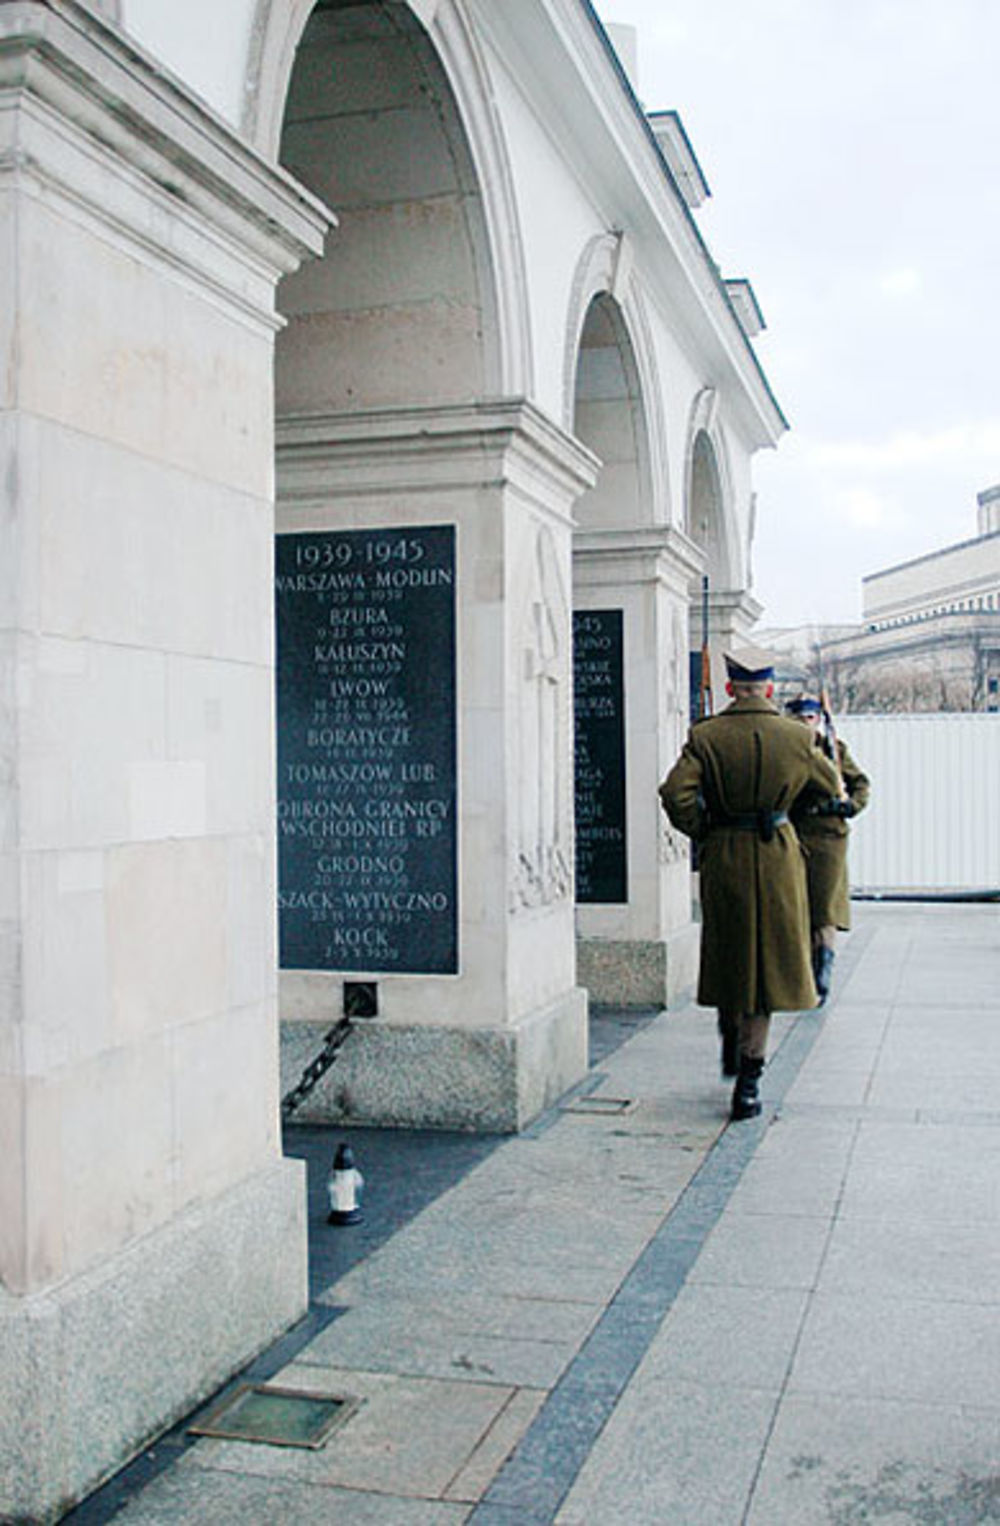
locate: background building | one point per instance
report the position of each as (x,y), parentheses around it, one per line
(930,638)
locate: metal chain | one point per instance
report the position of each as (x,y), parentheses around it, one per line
(316,1068)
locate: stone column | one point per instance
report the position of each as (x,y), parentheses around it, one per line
(152,1239)
(486,1035)
(642,950)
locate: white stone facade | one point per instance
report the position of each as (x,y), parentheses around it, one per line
(372,266)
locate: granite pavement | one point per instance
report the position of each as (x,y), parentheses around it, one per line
(635,1313)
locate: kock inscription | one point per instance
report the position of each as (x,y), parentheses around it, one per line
(599,738)
(367,837)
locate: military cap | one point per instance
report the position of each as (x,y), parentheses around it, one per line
(804,704)
(750,665)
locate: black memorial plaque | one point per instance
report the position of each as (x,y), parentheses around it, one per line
(599,731)
(367,838)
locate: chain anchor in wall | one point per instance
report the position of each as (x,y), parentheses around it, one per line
(317,1068)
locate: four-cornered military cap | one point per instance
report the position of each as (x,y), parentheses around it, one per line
(750,665)
(804,704)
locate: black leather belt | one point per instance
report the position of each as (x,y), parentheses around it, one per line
(764,823)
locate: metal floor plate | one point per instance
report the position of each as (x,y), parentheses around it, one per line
(280,1417)
(599,1106)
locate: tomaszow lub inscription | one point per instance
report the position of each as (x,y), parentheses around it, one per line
(599,738)
(366,750)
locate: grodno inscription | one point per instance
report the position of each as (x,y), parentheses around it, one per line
(599,748)
(367,839)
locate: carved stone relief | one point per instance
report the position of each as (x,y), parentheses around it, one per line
(541,870)
(673,845)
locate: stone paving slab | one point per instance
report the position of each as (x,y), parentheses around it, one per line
(847,1461)
(763,1251)
(610,1161)
(941,1039)
(938,1174)
(500,1440)
(549,1254)
(970,1093)
(898,1258)
(920,1350)
(674,1452)
(195,1496)
(804,1142)
(524,1342)
(810,1185)
(710,1325)
(967,979)
(836,1085)
(410,1437)
(854,1048)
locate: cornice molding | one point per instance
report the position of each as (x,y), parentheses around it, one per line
(557,52)
(69,73)
(494,443)
(659,553)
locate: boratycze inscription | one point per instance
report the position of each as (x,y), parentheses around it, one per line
(367,837)
(599,748)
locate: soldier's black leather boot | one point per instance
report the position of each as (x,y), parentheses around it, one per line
(822,970)
(729,1054)
(746,1094)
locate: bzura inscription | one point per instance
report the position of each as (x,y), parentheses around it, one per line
(367,836)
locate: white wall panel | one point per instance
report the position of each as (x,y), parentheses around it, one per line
(934,819)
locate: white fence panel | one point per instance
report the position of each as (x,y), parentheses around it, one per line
(934,819)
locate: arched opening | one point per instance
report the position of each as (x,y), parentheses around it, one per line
(705,503)
(608,417)
(630,569)
(387,347)
(399,312)
(706,527)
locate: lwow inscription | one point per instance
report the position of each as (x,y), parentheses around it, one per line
(599,746)
(367,838)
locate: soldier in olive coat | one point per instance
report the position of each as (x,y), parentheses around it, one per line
(731,791)
(823,831)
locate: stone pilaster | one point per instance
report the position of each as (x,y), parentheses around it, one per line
(490,1045)
(140,244)
(642,951)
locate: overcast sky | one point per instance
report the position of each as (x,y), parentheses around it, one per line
(853,152)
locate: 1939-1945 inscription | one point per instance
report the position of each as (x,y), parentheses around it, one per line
(367,837)
(599,738)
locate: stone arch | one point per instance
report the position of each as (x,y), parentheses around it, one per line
(456,78)
(709,515)
(611,396)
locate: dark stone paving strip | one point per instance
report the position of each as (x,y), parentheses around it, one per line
(539,1474)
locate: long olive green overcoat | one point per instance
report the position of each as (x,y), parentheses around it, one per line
(755,954)
(824,839)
